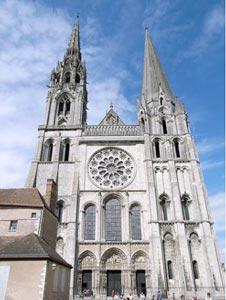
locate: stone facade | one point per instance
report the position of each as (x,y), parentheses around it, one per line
(132,203)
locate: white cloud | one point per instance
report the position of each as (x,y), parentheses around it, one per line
(30,47)
(217,206)
(208,164)
(207,146)
(211,33)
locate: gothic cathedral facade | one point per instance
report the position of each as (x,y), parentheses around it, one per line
(131,201)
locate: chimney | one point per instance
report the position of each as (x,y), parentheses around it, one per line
(51,194)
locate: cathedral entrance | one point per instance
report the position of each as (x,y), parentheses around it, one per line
(113,282)
(140,282)
(87,280)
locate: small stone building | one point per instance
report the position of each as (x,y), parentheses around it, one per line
(30,268)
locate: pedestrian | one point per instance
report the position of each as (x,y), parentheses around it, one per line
(159,295)
(194,297)
(208,296)
(153,297)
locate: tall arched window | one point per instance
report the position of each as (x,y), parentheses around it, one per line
(113,220)
(60,207)
(185,204)
(163,203)
(61,107)
(195,269)
(65,150)
(164,127)
(64,105)
(67,77)
(161,100)
(77,78)
(135,222)
(50,151)
(177,148)
(170,269)
(157,149)
(90,223)
(47,150)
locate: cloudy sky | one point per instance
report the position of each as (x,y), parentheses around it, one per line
(189,38)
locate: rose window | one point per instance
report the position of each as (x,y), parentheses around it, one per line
(111,168)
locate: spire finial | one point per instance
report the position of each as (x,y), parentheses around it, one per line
(111,105)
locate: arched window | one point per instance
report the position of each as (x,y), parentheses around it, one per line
(60,207)
(67,109)
(170,269)
(113,220)
(67,77)
(164,128)
(163,204)
(177,148)
(195,269)
(61,107)
(65,150)
(135,223)
(77,78)
(157,149)
(64,105)
(185,204)
(47,151)
(90,223)
(161,100)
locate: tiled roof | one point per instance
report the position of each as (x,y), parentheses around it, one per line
(28,247)
(29,197)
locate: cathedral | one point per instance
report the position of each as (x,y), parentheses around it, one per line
(131,201)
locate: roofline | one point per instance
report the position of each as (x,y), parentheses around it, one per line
(7,257)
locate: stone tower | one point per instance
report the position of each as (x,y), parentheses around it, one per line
(131,201)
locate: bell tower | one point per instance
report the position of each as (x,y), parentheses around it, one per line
(67,96)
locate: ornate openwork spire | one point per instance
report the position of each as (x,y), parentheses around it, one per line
(153,74)
(74,44)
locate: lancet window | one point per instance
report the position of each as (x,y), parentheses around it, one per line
(112,220)
(170,269)
(67,77)
(64,106)
(60,208)
(195,269)
(157,148)
(177,148)
(90,222)
(135,222)
(164,127)
(163,203)
(185,204)
(65,150)
(47,151)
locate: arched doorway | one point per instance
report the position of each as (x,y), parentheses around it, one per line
(113,266)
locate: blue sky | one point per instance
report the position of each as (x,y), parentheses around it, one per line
(188,36)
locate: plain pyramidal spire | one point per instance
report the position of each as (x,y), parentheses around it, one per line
(154,77)
(74,44)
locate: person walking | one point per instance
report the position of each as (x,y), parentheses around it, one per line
(159,295)
(208,296)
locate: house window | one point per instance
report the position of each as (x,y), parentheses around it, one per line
(33,215)
(13,225)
